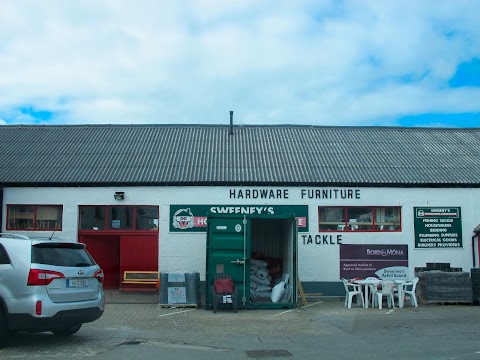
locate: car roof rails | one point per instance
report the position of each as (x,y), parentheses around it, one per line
(14,236)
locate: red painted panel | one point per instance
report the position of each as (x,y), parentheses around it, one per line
(106,252)
(139,252)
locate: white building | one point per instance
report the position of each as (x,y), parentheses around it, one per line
(370,200)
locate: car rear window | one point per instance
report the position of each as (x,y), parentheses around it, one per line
(61,254)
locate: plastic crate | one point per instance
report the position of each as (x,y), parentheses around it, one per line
(180,289)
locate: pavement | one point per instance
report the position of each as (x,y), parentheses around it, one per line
(323,329)
(131,297)
(135,326)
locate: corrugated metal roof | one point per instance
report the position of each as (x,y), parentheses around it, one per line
(254,155)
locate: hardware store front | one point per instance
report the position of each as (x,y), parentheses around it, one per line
(342,232)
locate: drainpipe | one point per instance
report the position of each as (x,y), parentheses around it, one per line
(244,298)
(231,123)
(476,231)
(1,209)
(473,249)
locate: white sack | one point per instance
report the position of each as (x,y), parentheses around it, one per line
(263,273)
(278,291)
(259,281)
(258,263)
(263,288)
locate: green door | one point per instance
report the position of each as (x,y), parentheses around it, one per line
(227,252)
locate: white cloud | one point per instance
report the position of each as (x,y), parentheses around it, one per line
(306,62)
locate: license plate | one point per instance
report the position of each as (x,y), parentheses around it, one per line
(77,282)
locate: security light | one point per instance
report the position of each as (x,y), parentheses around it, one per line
(119,195)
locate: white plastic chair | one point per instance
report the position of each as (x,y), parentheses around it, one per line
(352,290)
(371,290)
(387,291)
(409,289)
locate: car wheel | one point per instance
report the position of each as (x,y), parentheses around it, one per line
(67,330)
(4,332)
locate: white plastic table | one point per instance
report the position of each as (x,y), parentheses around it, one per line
(366,284)
(401,294)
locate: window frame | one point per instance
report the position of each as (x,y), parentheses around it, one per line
(106,225)
(35,221)
(347,225)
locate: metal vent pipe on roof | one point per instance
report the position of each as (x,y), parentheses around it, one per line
(231,123)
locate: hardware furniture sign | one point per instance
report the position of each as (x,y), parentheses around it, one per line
(438,227)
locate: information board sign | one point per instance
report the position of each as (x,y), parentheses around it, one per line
(388,261)
(438,227)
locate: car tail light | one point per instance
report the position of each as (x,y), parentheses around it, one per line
(38,307)
(99,275)
(38,277)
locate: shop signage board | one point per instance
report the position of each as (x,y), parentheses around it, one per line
(387,261)
(193,218)
(438,227)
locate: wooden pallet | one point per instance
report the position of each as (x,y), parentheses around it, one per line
(178,305)
(438,302)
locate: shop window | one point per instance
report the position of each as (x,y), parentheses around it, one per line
(331,218)
(120,218)
(365,218)
(92,217)
(34,217)
(147,218)
(360,218)
(112,218)
(387,218)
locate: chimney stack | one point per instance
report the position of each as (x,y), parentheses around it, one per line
(231,123)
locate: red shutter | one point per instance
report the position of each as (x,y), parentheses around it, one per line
(138,252)
(105,250)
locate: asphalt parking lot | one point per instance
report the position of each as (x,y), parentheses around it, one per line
(321,330)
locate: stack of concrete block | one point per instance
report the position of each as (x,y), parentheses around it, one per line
(475,274)
(437,286)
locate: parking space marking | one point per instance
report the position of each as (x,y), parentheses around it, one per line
(284,312)
(318,302)
(177,312)
(287,311)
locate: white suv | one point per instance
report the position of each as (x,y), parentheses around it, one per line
(47,285)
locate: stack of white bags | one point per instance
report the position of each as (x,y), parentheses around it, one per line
(260,283)
(259,279)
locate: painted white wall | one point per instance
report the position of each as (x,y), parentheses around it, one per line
(186,252)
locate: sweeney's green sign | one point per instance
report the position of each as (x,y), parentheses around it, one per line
(438,227)
(193,218)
